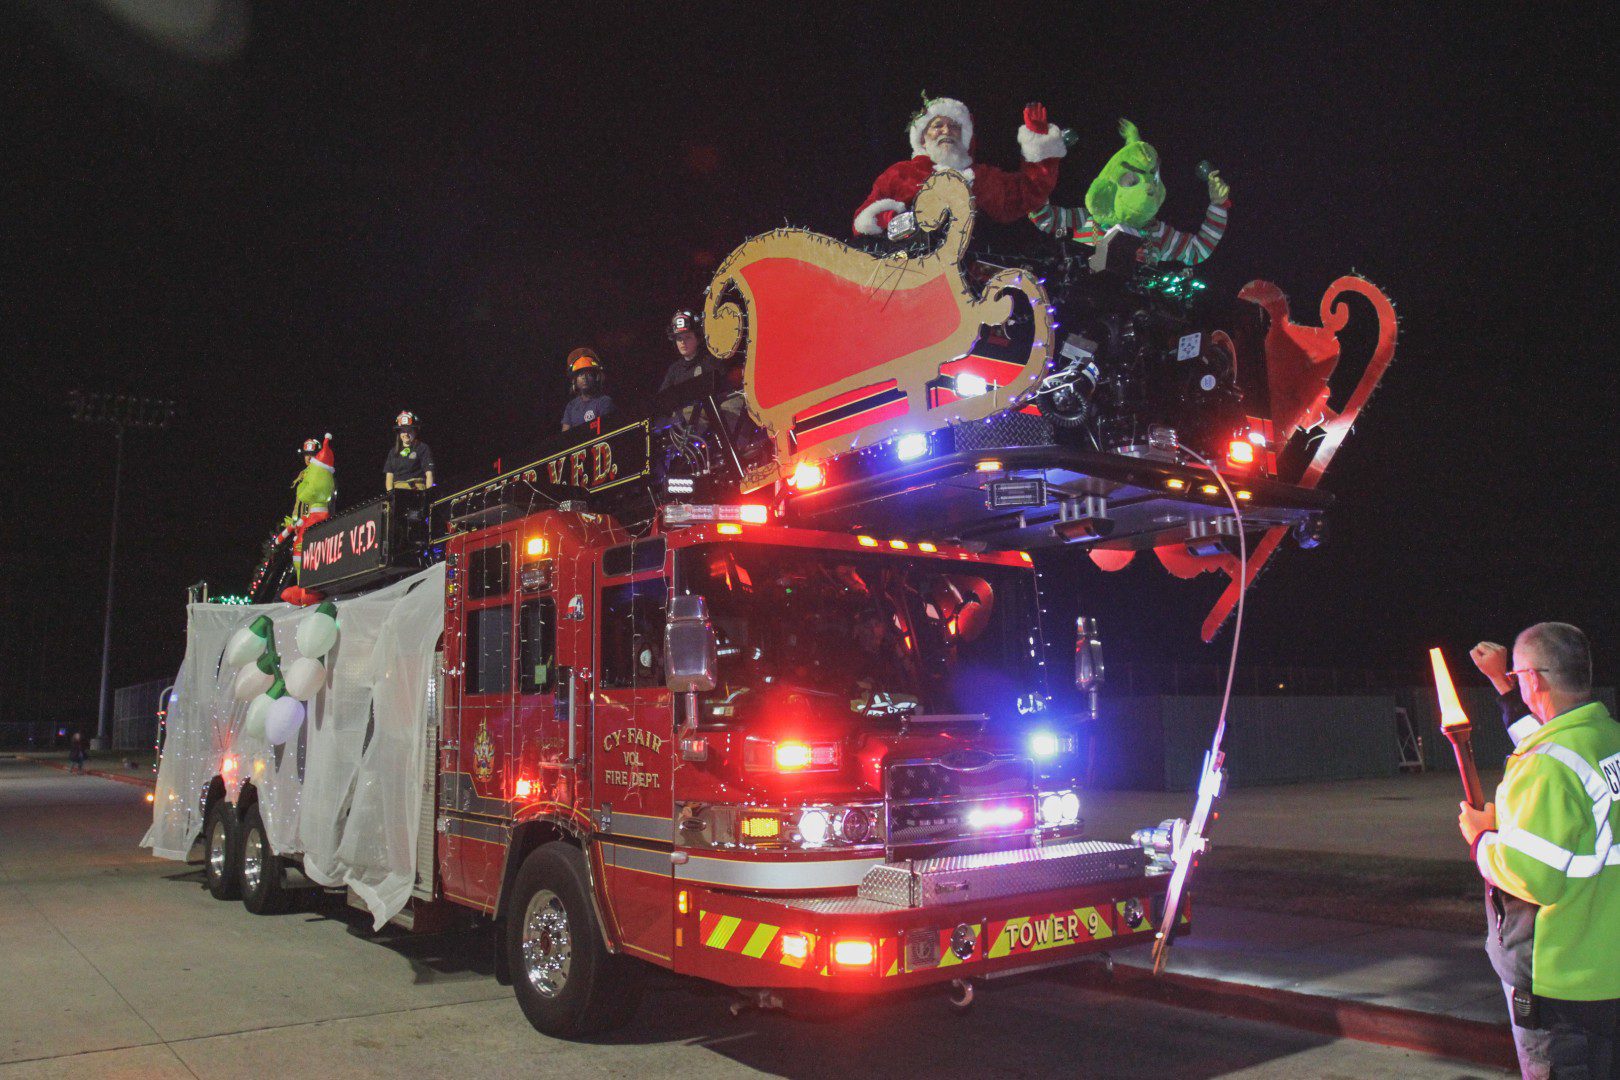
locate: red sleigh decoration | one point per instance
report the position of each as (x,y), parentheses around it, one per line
(1300,362)
(841,345)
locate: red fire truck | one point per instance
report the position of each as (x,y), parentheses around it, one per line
(781,717)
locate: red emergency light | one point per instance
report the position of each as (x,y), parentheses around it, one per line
(807,476)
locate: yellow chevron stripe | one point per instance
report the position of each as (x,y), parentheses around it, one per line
(1003,944)
(723,931)
(760,941)
(894,968)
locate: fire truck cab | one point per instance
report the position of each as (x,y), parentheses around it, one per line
(777,758)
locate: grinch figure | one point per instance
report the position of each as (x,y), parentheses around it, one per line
(1129,192)
(312,501)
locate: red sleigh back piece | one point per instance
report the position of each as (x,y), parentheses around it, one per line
(1300,363)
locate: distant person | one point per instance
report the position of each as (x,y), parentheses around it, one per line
(410,462)
(1546,849)
(77,753)
(588,381)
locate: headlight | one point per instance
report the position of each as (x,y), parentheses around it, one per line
(1052,809)
(814,825)
(1059,808)
(780,828)
(855,826)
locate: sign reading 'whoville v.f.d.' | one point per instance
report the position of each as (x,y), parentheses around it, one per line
(348,546)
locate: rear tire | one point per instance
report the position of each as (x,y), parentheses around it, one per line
(222,851)
(263,887)
(566,981)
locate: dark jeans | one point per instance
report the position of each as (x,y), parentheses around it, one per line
(1582,1044)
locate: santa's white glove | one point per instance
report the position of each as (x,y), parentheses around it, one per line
(902,226)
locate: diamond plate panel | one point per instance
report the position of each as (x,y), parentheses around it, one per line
(990,875)
(838,905)
(1005,429)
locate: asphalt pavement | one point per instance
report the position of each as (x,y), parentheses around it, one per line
(117,964)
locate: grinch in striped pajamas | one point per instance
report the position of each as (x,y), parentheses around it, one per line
(1129,192)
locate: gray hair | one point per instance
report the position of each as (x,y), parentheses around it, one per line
(1561,652)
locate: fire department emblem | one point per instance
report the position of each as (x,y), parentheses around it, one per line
(483,754)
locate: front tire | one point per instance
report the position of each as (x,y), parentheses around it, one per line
(263,887)
(566,981)
(222,851)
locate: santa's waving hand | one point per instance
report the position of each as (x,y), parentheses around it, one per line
(942,138)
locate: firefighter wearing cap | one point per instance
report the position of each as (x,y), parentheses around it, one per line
(590,402)
(410,461)
(941,136)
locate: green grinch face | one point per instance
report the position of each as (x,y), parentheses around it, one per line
(1128,191)
(315,485)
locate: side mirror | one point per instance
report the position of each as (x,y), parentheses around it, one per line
(690,662)
(1088,658)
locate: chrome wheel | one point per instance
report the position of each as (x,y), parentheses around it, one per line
(253,860)
(216,851)
(546,943)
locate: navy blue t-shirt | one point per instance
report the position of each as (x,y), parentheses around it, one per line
(582,409)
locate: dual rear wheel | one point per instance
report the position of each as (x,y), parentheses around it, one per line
(238,861)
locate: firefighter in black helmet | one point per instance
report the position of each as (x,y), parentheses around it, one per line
(691,359)
(588,382)
(410,462)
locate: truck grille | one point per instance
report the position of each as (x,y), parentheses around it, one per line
(944,800)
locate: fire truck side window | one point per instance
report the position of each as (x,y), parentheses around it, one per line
(489,650)
(633,634)
(537,644)
(489,571)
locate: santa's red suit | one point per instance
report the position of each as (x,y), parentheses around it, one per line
(1001,195)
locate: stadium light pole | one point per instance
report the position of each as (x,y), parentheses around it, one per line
(119,412)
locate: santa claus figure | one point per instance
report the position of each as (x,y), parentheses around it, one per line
(942,138)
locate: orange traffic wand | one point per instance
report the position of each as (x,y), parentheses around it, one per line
(1458,729)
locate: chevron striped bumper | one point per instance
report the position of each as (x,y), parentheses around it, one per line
(848,944)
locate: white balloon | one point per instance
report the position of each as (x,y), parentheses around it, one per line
(251,682)
(254,727)
(305,678)
(282,719)
(244,648)
(317,634)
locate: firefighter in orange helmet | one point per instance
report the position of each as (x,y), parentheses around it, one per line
(588,382)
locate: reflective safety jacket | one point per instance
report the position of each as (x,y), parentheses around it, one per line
(1557,815)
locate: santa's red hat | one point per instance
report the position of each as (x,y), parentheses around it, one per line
(324,457)
(941,106)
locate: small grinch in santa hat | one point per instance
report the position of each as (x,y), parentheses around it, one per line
(312,503)
(942,138)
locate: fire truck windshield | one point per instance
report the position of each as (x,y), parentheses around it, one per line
(873,636)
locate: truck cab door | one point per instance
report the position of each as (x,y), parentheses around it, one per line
(633,746)
(475,782)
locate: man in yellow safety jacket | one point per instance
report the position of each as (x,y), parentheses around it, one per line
(1549,839)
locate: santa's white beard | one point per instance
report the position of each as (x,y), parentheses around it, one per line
(948,156)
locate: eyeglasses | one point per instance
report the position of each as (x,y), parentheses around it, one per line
(1522,670)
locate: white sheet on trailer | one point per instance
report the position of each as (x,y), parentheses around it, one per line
(346,791)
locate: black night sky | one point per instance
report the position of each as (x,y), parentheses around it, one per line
(360,214)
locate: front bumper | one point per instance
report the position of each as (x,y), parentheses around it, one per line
(928,921)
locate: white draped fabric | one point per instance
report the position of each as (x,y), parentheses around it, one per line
(345,792)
